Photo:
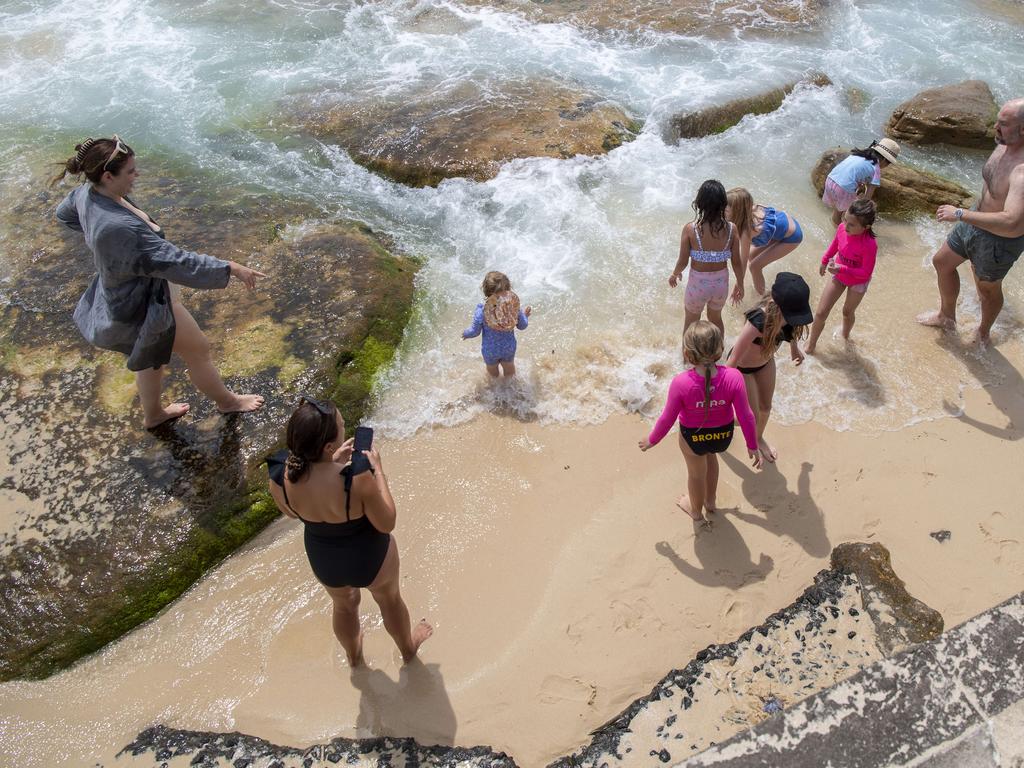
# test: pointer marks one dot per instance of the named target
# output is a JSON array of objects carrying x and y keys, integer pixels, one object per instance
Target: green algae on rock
[
  {"x": 717, "y": 119},
  {"x": 466, "y": 131},
  {"x": 900, "y": 619},
  {"x": 905, "y": 191},
  {"x": 110, "y": 523}
]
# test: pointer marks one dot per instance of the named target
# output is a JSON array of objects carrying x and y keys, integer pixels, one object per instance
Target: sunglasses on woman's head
[
  {"x": 320, "y": 405},
  {"x": 119, "y": 148}
]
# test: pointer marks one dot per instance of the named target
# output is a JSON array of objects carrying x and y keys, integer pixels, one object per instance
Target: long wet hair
[
  {"x": 709, "y": 205},
  {"x": 865, "y": 212},
  {"x": 741, "y": 209},
  {"x": 309, "y": 431},
  {"x": 92, "y": 157},
  {"x": 495, "y": 282},
  {"x": 703, "y": 345},
  {"x": 774, "y": 321},
  {"x": 868, "y": 154}
]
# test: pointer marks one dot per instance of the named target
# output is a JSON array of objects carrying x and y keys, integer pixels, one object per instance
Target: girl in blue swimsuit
[
  {"x": 348, "y": 522},
  {"x": 766, "y": 234}
]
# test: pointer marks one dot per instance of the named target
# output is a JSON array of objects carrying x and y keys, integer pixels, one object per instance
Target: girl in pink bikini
[
  {"x": 708, "y": 244},
  {"x": 705, "y": 399},
  {"x": 850, "y": 261}
]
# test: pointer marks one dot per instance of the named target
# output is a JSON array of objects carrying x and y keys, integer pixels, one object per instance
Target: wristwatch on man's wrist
[{"x": 958, "y": 214}]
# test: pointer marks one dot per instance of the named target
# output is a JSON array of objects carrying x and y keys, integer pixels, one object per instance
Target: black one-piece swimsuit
[{"x": 347, "y": 554}]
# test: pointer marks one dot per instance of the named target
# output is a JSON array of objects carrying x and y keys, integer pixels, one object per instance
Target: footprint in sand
[
  {"x": 993, "y": 530},
  {"x": 556, "y": 688},
  {"x": 734, "y": 616},
  {"x": 629, "y": 616}
]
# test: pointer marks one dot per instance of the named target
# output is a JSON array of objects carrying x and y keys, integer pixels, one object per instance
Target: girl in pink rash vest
[
  {"x": 704, "y": 400},
  {"x": 850, "y": 260}
]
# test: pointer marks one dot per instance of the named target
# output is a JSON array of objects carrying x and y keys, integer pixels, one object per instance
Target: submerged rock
[
  {"x": 469, "y": 131},
  {"x": 721, "y": 118},
  {"x": 900, "y": 619},
  {"x": 905, "y": 191},
  {"x": 963, "y": 114},
  {"x": 105, "y": 523},
  {"x": 680, "y": 16}
]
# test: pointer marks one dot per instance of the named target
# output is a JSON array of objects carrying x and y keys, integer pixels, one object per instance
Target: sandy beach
[{"x": 562, "y": 581}]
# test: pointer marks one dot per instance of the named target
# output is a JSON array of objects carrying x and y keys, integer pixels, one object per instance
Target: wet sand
[{"x": 560, "y": 577}]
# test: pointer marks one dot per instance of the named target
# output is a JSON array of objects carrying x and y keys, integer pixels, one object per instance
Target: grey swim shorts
[{"x": 990, "y": 255}]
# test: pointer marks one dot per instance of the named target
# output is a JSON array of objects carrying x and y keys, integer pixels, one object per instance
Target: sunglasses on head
[
  {"x": 119, "y": 149},
  {"x": 325, "y": 409}
]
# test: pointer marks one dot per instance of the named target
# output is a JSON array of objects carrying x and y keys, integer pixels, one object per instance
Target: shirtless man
[{"x": 991, "y": 237}]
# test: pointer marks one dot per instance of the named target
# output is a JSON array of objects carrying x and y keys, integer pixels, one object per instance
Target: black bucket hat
[{"x": 792, "y": 294}]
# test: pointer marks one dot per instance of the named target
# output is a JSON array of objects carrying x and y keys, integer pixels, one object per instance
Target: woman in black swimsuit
[
  {"x": 348, "y": 522},
  {"x": 783, "y": 315}
]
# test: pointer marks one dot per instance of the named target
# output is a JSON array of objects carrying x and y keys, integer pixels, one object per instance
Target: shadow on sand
[
  {"x": 785, "y": 513},
  {"x": 724, "y": 556},
  {"x": 1007, "y": 393},
  {"x": 415, "y": 705}
]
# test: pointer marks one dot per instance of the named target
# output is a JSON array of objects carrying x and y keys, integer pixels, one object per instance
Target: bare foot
[
  {"x": 936, "y": 319},
  {"x": 710, "y": 506},
  {"x": 170, "y": 413},
  {"x": 241, "y": 404},
  {"x": 420, "y": 633},
  {"x": 767, "y": 452},
  {"x": 983, "y": 340},
  {"x": 809, "y": 349},
  {"x": 684, "y": 504},
  {"x": 358, "y": 660}
]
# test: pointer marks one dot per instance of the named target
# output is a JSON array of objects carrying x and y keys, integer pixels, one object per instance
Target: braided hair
[{"x": 703, "y": 345}]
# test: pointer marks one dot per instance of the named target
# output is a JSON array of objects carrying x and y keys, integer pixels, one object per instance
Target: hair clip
[{"x": 83, "y": 148}]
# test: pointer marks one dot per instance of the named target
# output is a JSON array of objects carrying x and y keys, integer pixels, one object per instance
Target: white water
[{"x": 588, "y": 242}]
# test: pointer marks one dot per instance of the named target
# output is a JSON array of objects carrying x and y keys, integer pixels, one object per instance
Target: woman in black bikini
[
  {"x": 783, "y": 315},
  {"x": 348, "y": 522}
]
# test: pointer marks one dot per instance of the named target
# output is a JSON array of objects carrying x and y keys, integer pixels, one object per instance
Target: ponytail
[
  {"x": 703, "y": 345},
  {"x": 868, "y": 154},
  {"x": 309, "y": 430},
  {"x": 707, "y": 391},
  {"x": 296, "y": 466}
]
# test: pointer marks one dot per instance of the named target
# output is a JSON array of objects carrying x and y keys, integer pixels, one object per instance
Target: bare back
[{"x": 320, "y": 495}]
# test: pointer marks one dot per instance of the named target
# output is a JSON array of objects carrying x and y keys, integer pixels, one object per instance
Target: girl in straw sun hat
[
  {"x": 859, "y": 175},
  {"x": 497, "y": 318}
]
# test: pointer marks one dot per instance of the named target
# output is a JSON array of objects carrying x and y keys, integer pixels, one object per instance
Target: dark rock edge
[
  {"x": 228, "y": 527},
  {"x": 208, "y": 748},
  {"x": 828, "y": 585}
]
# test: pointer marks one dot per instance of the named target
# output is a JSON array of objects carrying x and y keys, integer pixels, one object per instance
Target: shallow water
[{"x": 589, "y": 242}]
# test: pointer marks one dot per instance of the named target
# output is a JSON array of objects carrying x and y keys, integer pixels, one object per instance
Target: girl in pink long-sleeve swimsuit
[
  {"x": 704, "y": 400},
  {"x": 850, "y": 260}
]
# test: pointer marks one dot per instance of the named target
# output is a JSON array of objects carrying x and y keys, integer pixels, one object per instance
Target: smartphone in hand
[{"x": 363, "y": 442}]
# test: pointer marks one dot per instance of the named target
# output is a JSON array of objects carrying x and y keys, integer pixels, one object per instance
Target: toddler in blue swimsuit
[{"x": 497, "y": 318}]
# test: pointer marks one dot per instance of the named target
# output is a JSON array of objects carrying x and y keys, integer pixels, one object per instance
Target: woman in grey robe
[{"x": 132, "y": 305}]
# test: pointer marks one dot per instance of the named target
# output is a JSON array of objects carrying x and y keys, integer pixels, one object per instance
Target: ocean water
[{"x": 588, "y": 242}]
